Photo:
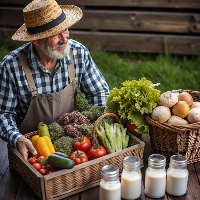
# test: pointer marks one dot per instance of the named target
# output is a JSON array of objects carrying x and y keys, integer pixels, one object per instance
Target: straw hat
[{"x": 45, "y": 18}]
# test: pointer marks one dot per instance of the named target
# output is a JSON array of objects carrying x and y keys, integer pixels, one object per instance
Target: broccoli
[
  {"x": 86, "y": 130},
  {"x": 64, "y": 145},
  {"x": 55, "y": 131},
  {"x": 80, "y": 102},
  {"x": 93, "y": 113}
]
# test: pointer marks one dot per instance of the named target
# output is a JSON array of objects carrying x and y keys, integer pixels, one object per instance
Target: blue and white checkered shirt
[{"x": 15, "y": 95}]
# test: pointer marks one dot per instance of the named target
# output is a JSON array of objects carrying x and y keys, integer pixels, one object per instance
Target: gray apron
[{"x": 47, "y": 107}]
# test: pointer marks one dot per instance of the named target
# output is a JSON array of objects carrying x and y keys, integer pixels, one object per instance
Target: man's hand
[{"x": 25, "y": 145}]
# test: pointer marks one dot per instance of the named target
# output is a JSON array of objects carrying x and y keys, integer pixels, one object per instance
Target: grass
[{"x": 171, "y": 71}]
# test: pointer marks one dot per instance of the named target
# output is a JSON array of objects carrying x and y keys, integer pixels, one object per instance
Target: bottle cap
[
  {"x": 157, "y": 161},
  {"x": 131, "y": 163},
  {"x": 110, "y": 173}
]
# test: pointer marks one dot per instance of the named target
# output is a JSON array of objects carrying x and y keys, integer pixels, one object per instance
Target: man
[{"x": 38, "y": 80}]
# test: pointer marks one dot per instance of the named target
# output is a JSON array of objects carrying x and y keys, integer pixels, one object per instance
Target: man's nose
[{"x": 64, "y": 37}]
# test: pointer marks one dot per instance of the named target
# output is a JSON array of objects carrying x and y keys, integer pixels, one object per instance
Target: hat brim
[{"x": 73, "y": 15}]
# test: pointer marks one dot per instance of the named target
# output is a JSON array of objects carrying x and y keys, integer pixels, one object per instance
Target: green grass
[{"x": 171, "y": 71}]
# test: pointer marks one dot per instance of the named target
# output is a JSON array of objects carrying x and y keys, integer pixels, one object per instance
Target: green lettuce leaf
[{"x": 134, "y": 97}]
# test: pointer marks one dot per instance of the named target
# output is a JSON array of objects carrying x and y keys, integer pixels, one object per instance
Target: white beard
[{"x": 52, "y": 52}]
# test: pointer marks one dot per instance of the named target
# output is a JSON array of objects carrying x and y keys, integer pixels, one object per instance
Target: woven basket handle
[{"x": 97, "y": 122}]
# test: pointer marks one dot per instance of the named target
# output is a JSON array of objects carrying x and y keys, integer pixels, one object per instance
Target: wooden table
[{"x": 13, "y": 187}]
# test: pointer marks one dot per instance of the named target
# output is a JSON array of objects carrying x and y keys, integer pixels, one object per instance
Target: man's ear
[{"x": 36, "y": 42}]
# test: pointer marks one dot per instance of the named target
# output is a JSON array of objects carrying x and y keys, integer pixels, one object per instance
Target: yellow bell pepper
[
  {"x": 34, "y": 140},
  {"x": 43, "y": 145},
  {"x": 49, "y": 144}
]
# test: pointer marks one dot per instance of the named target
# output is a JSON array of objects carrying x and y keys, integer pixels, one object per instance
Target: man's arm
[
  {"x": 8, "y": 127},
  {"x": 94, "y": 84}
]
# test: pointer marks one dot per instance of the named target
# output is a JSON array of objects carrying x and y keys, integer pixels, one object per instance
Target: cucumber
[
  {"x": 60, "y": 162},
  {"x": 61, "y": 154}
]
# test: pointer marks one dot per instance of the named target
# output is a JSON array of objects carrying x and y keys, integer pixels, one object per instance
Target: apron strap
[
  {"x": 71, "y": 69},
  {"x": 28, "y": 74}
]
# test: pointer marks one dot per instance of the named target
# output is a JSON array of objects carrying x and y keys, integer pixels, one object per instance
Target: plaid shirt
[{"x": 15, "y": 95}]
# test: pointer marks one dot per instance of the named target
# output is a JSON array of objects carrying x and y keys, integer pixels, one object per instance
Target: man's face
[{"x": 56, "y": 47}]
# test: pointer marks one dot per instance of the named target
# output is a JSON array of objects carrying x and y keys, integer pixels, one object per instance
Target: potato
[
  {"x": 161, "y": 114},
  {"x": 194, "y": 115},
  {"x": 195, "y": 105},
  {"x": 168, "y": 99},
  {"x": 176, "y": 120}
]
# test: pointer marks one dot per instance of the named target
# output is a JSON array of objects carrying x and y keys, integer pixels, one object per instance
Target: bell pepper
[
  {"x": 34, "y": 140},
  {"x": 43, "y": 145}
]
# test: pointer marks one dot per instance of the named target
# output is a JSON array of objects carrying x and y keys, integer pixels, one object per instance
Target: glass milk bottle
[
  {"x": 177, "y": 175},
  {"x": 131, "y": 178},
  {"x": 110, "y": 186},
  {"x": 155, "y": 176}
]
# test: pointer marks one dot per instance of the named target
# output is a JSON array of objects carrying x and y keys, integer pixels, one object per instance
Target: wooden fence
[{"x": 127, "y": 25}]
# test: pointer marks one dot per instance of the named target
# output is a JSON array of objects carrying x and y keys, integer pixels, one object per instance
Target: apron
[{"x": 47, "y": 107}]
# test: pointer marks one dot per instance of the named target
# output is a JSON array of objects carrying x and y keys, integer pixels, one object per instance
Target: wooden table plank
[
  {"x": 92, "y": 194},
  {"x": 197, "y": 169},
  {"x": 25, "y": 192}
]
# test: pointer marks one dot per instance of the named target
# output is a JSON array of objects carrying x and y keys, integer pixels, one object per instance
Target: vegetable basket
[
  {"x": 168, "y": 140},
  {"x": 81, "y": 177}
]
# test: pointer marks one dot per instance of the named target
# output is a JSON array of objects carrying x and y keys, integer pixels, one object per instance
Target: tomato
[
  {"x": 43, "y": 171},
  {"x": 131, "y": 127},
  {"x": 31, "y": 161},
  {"x": 51, "y": 171},
  {"x": 82, "y": 143},
  {"x": 43, "y": 166},
  {"x": 49, "y": 167},
  {"x": 41, "y": 158},
  {"x": 78, "y": 157},
  {"x": 96, "y": 151},
  {"x": 35, "y": 156},
  {"x": 37, "y": 166}
]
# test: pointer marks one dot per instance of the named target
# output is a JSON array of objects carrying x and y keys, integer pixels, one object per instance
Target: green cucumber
[
  {"x": 61, "y": 154},
  {"x": 60, "y": 162}
]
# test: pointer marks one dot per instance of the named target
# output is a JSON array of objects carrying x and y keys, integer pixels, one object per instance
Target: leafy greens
[{"x": 132, "y": 101}]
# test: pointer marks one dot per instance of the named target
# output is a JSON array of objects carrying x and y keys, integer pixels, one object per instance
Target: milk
[
  {"x": 110, "y": 190},
  {"x": 177, "y": 181},
  {"x": 177, "y": 175},
  {"x": 155, "y": 183},
  {"x": 110, "y": 186},
  {"x": 130, "y": 185}
]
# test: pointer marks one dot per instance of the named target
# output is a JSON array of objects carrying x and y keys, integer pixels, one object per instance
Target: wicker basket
[
  {"x": 81, "y": 177},
  {"x": 169, "y": 139}
]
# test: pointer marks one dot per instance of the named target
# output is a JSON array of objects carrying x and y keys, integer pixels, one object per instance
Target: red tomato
[
  {"x": 42, "y": 158},
  {"x": 82, "y": 143},
  {"x": 43, "y": 171},
  {"x": 43, "y": 167},
  {"x": 51, "y": 171},
  {"x": 37, "y": 166},
  {"x": 131, "y": 127},
  {"x": 31, "y": 161},
  {"x": 96, "y": 151},
  {"x": 49, "y": 167},
  {"x": 78, "y": 157},
  {"x": 35, "y": 156}
]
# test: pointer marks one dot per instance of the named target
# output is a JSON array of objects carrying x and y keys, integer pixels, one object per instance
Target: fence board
[
  {"x": 192, "y": 4},
  {"x": 151, "y": 43},
  {"x": 120, "y": 20},
  {"x": 140, "y": 21}
]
